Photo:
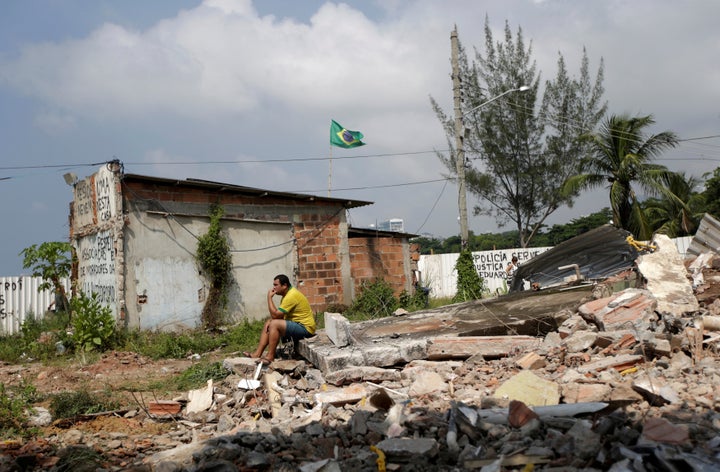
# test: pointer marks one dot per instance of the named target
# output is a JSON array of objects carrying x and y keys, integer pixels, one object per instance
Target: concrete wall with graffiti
[
  {"x": 437, "y": 271},
  {"x": 96, "y": 235}
]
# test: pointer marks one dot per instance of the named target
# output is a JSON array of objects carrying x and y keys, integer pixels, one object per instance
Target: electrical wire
[{"x": 433, "y": 207}]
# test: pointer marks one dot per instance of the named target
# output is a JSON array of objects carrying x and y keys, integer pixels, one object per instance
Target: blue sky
[{"x": 171, "y": 88}]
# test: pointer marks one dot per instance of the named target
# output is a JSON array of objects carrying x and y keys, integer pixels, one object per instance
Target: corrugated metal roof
[
  {"x": 239, "y": 189},
  {"x": 372, "y": 232},
  {"x": 599, "y": 253},
  {"x": 707, "y": 237}
]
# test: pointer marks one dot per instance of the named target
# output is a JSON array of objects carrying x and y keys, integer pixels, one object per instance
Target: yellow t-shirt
[{"x": 297, "y": 308}]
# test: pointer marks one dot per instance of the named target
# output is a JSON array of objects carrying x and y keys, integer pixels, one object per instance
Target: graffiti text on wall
[
  {"x": 8, "y": 286},
  {"x": 96, "y": 268},
  {"x": 83, "y": 200},
  {"x": 105, "y": 293},
  {"x": 103, "y": 195},
  {"x": 492, "y": 264}
]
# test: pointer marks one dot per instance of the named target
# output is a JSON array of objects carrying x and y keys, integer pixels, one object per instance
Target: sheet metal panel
[
  {"x": 20, "y": 299},
  {"x": 707, "y": 237}
]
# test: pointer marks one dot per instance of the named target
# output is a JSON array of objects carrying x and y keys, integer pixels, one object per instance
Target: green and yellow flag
[{"x": 344, "y": 138}]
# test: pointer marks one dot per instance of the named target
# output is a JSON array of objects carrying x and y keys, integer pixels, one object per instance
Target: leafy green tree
[
  {"x": 677, "y": 215},
  {"x": 711, "y": 194},
  {"x": 621, "y": 156},
  {"x": 429, "y": 245},
  {"x": 53, "y": 262},
  {"x": 525, "y": 150}
]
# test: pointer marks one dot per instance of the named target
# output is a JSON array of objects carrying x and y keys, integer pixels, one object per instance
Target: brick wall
[
  {"x": 384, "y": 257},
  {"x": 319, "y": 265}
]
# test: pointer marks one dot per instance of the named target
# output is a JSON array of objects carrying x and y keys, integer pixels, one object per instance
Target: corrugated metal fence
[{"x": 20, "y": 299}]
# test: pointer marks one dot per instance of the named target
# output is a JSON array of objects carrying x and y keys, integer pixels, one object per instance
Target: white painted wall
[{"x": 164, "y": 287}]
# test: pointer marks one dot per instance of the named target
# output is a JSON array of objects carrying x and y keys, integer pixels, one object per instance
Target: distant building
[{"x": 393, "y": 224}]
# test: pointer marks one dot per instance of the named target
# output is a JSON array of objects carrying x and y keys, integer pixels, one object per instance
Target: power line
[
  {"x": 289, "y": 159},
  {"x": 370, "y": 187}
]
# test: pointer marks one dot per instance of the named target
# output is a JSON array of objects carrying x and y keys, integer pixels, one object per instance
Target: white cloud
[{"x": 54, "y": 123}]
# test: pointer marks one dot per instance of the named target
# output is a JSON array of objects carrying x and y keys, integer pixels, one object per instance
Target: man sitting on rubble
[{"x": 292, "y": 320}]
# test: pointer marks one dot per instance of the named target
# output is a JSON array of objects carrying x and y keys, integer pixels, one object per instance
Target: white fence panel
[{"x": 19, "y": 299}]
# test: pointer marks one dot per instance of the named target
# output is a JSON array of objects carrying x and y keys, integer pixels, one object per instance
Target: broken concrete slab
[
  {"x": 631, "y": 308},
  {"x": 667, "y": 278},
  {"x": 486, "y": 346},
  {"x": 619, "y": 362},
  {"x": 337, "y": 328},
  {"x": 243, "y": 366},
  {"x": 200, "y": 399},
  {"x": 427, "y": 382},
  {"x": 529, "y": 389},
  {"x": 361, "y": 374},
  {"x": 405, "y": 449},
  {"x": 352, "y": 394},
  {"x": 585, "y": 392},
  {"x": 394, "y": 341}
]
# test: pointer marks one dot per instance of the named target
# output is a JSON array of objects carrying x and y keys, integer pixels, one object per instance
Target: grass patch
[
  {"x": 36, "y": 340},
  {"x": 198, "y": 374},
  {"x": 441, "y": 301},
  {"x": 81, "y": 402}
]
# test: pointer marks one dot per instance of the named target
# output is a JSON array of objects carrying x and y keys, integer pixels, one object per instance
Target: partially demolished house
[{"x": 136, "y": 237}]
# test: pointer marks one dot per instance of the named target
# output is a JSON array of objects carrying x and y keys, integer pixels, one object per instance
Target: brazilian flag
[{"x": 344, "y": 138}]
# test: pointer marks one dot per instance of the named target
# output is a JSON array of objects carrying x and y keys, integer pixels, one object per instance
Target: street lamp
[{"x": 460, "y": 153}]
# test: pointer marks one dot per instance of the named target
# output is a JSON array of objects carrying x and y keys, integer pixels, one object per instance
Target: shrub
[
  {"x": 469, "y": 284},
  {"x": 93, "y": 323},
  {"x": 376, "y": 300}
]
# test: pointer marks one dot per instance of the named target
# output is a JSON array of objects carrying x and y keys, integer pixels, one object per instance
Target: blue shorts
[{"x": 295, "y": 331}]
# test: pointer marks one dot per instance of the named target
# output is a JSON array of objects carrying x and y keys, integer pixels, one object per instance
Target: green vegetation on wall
[{"x": 213, "y": 255}]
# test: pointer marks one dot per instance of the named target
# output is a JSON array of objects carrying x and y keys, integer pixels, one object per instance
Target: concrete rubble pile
[{"x": 628, "y": 380}]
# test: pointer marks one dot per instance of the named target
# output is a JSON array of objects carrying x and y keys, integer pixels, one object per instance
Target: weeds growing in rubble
[
  {"x": 197, "y": 375},
  {"x": 15, "y": 407}
]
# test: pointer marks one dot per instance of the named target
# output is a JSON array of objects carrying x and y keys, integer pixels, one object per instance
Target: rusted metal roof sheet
[
  {"x": 599, "y": 253},
  {"x": 707, "y": 237}
]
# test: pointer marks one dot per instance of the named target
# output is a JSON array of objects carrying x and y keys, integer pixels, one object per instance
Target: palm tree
[
  {"x": 679, "y": 214},
  {"x": 621, "y": 155}
]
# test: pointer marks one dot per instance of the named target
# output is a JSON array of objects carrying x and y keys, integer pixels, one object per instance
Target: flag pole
[{"x": 330, "y": 172}]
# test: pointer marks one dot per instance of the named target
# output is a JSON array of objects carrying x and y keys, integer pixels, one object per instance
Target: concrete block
[
  {"x": 351, "y": 394},
  {"x": 406, "y": 449},
  {"x": 337, "y": 329}
]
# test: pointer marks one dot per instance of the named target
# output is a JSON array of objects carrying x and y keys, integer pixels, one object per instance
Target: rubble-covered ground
[{"x": 629, "y": 382}]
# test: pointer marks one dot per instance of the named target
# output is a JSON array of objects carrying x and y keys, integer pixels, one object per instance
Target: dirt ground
[{"x": 116, "y": 372}]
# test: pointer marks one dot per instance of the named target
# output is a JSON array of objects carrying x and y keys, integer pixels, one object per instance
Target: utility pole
[{"x": 459, "y": 136}]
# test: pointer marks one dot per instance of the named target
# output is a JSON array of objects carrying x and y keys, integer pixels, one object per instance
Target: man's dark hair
[{"x": 283, "y": 279}]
